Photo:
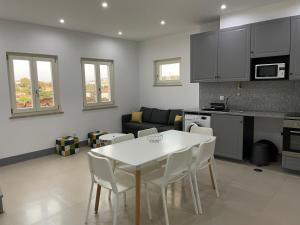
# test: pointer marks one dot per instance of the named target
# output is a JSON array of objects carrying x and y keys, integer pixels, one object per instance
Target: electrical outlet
[{"x": 222, "y": 98}]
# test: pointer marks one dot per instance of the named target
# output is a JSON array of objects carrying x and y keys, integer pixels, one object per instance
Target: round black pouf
[{"x": 261, "y": 154}]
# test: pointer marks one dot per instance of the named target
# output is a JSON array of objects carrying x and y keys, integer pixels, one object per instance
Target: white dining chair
[
  {"x": 201, "y": 130},
  {"x": 146, "y": 132},
  {"x": 122, "y": 138},
  {"x": 102, "y": 174},
  {"x": 177, "y": 168},
  {"x": 122, "y": 166},
  {"x": 205, "y": 158}
]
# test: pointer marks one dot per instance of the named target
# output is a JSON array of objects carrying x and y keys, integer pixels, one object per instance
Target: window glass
[
  {"x": 45, "y": 83},
  {"x": 23, "y": 84},
  {"x": 90, "y": 83}
]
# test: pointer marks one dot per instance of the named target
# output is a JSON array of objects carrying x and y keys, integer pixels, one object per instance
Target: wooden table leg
[
  {"x": 97, "y": 198},
  {"x": 138, "y": 197},
  {"x": 211, "y": 175}
]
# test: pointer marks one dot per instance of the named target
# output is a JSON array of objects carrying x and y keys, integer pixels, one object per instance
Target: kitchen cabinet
[
  {"x": 204, "y": 50},
  {"x": 271, "y": 38},
  {"x": 234, "y": 54},
  {"x": 295, "y": 49},
  {"x": 234, "y": 135}
]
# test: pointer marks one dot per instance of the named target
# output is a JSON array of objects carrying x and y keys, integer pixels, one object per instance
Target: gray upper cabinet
[
  {"x": 229, "y": 132},
  {"x": 234, "y": 54},
  {"x": 271, "y": 38},
  {"x": 204, "y": 50},
  {"x": 295, "y": 49}
]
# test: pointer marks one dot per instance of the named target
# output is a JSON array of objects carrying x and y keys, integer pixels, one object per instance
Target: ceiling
[{"x": 137, "y": 19}]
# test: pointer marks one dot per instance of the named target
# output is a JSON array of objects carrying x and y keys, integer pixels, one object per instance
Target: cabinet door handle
[{"x": 291, "y": 74}]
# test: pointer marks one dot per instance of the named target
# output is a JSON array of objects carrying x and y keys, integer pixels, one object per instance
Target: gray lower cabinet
[
  {"x": 234, "y": 54},
  {"x": 271, "y": 38},
  {"x": 290, "y": 161},
  {"x": 295, "y": 49},
  {"x": 229, "y": 132},
  {"x": 204, "y": 50}
]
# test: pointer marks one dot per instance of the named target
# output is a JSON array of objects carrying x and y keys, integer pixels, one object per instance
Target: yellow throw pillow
[
  {"x": 178, "y": 118},
  {"x": 136, "y": 117}
]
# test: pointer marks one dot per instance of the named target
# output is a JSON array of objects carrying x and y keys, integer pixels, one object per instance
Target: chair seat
[
  {"x": 144, "y": 170},
  {"x": 157, "y": 177},
  {"x": 124, "y": 182},
  {"x": 200, "y": 165}
]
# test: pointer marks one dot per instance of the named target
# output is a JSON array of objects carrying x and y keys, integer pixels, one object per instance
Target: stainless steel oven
[
  {"x": 291, "y": 136},
  {"x": 291, "y": 144}
]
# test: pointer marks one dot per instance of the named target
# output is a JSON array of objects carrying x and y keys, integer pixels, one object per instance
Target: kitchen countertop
[{"x": 278, "y": 115}]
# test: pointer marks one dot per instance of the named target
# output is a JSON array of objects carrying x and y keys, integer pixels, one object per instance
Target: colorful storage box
[
  {"x": 68, "y": 145},
  {"x": 93, "y": 138}
]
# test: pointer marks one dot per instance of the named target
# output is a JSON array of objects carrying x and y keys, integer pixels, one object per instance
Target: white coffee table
[{"x": 107, "y": 138}]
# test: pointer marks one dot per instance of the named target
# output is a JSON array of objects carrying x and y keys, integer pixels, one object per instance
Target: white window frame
[
  {"x": 36, "y": 109},
  {"x": 157, "y": 64},
  {"x": 97, "y": 63}
]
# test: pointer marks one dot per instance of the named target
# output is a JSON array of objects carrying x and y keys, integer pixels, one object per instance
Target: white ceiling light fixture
[
  {"x": 62, "y": 21},
  {"x": 162, "y": 22},
  {"x": 223, "y": 6},
  {"x": 104, "y": 5},
  {"x": 120, "y": 33}
]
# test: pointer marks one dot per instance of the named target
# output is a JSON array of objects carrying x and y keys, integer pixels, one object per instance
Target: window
[
  {"x": 97, "y": 83},
  {"x": 33, "y": 84},
  {"x": 167, "y": 72}
]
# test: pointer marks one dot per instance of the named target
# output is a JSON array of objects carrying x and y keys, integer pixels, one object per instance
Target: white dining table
[{"x": 141, "y": 151}]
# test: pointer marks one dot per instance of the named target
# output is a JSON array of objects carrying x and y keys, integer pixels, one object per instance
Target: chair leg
[
  {"x": 212, "y": 163},
  {"x": 193, "y": 194},
  {"x": 164, "y": 199},
  {"x": 109, "y": 195},
  {"x": 148, "y": 202},
  {"x": 89, "y": 204},
  {"x": 115, "y": 211},
  {"x": 124, "y": 196},
  {"x": 197, "y": 192}
]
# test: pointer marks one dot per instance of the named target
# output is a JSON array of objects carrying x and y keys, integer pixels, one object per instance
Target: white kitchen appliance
[
  {"x": 202, "y": 120},
  {"x": 270, "y": 71}
]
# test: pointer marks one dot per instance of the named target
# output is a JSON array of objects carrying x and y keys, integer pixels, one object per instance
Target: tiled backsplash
[{"x": 277, "y": 96}]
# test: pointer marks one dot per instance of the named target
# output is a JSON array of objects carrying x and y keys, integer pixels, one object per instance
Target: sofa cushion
[
  {"x": 136, "y": 117},
  {"x": 173, "y": 113},
  {"x": 132, "y": 126},
  {"x": 147, "y": 112},
  {"x": 145, "y": 125},
  {"x": 160, "y": 116},
  {"x": 165, "y": 128}
]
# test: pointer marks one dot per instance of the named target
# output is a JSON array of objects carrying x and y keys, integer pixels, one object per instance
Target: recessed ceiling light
[
  {"x": 104, "y": 4},
  {"x": 223, "y": 6},
  {"x": 62, "y": 21},
  {"x": 162, "y": 22},
  {"x": 120, "y": 33}
]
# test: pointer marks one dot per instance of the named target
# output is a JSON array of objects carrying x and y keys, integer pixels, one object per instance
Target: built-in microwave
[{"x": 270, "y": 71}]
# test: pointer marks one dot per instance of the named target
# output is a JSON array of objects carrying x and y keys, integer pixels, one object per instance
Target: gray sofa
[{"x": 163, "y": 120}]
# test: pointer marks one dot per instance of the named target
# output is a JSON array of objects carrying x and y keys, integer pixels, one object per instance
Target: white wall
[
  {"x": 18, "y": 136},
  {"x": 171, "y": 46},
  {"x": 277, "y": 10}
]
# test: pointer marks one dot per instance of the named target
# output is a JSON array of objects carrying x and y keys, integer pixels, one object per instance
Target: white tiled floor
[{"x": 53, "y": 191}]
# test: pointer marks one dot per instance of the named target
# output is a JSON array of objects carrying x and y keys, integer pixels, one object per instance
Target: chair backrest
[
  {"x": 206, "y": 151},
  {"x": 122, "y": 138},
  {"x": 101, "y": 170},
  {"x": 146, "y": 132},
  {"x": 177, "y": 163},
  {"x": 202, "y": 130}
]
